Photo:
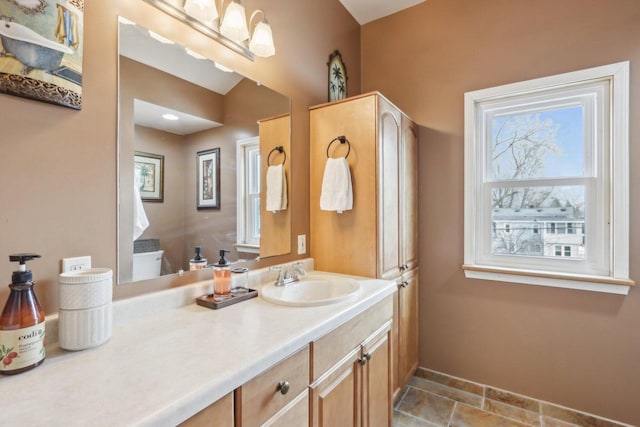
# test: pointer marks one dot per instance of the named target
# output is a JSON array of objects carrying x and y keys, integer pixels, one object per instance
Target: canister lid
[
  {"x": 86, "y": 276},
  {"x": 239, "y": 270}
]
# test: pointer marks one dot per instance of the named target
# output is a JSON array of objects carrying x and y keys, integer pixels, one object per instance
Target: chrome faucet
[{"x": 288, "y": 276}]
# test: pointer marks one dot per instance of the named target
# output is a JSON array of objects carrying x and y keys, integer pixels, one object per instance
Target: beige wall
[
  {"x": 58, "y": 166},
  {"x": 166, "y": 219},
  {"x": 577, "y": 348}
]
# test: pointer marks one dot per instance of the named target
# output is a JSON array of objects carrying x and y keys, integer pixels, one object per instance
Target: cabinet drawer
[
  {"x": 261, "y": 398},
  {"x": 329, "y": 349}
]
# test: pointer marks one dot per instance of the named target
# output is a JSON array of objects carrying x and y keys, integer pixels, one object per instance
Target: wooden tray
[{"x": 209, "y": 302}]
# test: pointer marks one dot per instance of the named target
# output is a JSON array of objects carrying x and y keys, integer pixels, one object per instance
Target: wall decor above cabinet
[{"x": 226, "y": 22}]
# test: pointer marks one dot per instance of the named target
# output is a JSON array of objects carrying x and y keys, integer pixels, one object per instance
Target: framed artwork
[
  {"x": 208, "y": 179},
  {"x": 149, "y": 176},
  {"x": 337, "y": 77},
  {"x": 42, "y": 45}
]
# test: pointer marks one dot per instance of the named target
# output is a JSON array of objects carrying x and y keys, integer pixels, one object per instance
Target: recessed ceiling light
[
  {"x": 169, "y": 116},
  {"x": 223, "y": 68},
  {"x": 160, "y": 38}
]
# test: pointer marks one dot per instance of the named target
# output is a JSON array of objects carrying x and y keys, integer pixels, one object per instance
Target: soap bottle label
[{"x": 20, "y": 348}]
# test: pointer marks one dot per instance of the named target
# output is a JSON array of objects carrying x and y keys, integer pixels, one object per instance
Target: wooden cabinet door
[
  {"x": 408, "y": 195},
  {"x": 408, "y": 327},
  {"x": 219, "y": 413},
  {"x": 376, "y": 379},
  {"x": 388, "y": 190},
  {"x": 335, "y": 397},
  {"x": 295, "y": 414}
]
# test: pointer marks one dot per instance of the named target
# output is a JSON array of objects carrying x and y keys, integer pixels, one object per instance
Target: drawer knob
[
  {"x": 367, "y": 356},
  {"x": 362, "y": 361},
  {"x": 283, "y": 387}
]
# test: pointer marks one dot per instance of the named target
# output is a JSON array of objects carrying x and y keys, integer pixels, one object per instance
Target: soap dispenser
[
  {"x": 197, "y": 262},
  {"x": 222, "y": 278},
  {"x": 22, "y": 323}
]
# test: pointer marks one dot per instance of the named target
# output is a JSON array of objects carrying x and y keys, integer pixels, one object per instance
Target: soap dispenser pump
[
  {"x": 22, "y": 327},
  {"x": 197, "y": 262},
  {"x": 222, "y": 278}
]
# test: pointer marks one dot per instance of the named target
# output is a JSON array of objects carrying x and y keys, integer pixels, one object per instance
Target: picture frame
[
  {"x": 149, "y": 176},
  {"x": 337, "y": 81},
  {"x": 43, "y": 50},
  {"x": 208, "y": 179}
]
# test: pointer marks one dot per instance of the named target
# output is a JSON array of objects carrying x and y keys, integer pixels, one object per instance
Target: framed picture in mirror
[
  {"x": 149, "y": 176},
  {"x": 208, "y": 179}
]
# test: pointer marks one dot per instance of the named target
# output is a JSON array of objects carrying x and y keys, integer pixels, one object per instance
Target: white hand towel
[
  {"x": 276, "y": 188},
  {"x": 337, "y": 192},
  {"x": 140, "y": 220}
]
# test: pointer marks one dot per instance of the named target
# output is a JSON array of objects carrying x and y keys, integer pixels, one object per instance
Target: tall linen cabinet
[{"x": 379, "y": 236}]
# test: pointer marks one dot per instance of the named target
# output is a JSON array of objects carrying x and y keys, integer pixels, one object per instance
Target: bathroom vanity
[{"x": 256, "y": 363}]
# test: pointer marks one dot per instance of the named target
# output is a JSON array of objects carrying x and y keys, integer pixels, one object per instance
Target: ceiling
[
  {"x": 136, "y": 43},
  {"x": 369, "y": 10}
]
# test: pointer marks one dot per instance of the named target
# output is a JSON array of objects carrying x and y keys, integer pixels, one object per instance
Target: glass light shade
[
  {"x": 234, "y": 22},
  {"x": 262, "y": 41},
  {"x": 202, "y": 10}
]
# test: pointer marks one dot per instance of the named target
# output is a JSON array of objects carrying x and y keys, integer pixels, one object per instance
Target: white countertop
[{"x": 163, "y": 367}]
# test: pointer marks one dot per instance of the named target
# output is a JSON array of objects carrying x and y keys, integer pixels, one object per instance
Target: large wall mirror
[{"x": 194, "y": 139}]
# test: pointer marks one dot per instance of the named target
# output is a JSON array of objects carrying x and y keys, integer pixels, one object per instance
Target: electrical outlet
[
  {"x": 77, "y": 263},
  {"x": 302, "y": 244}
]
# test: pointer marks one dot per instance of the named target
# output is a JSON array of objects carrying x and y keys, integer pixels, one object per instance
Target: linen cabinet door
[
  {"x": 335, "y": 397},
  {"x": 408, "y": 327},
  {"x": 388, "y": 190},
  {"x": 408, "y": 195},
  {"x": 376, "y": 379}
]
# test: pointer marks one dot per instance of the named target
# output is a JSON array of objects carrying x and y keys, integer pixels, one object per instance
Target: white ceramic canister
[{"x": 85, "y": 314}]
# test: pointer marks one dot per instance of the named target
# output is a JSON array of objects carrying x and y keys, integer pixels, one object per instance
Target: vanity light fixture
[
  {"x": 234, "y": 22},
  {"x": 160, "y": 38},
  {"x": 169, "y": 116},
  {"x": 261, "y": 43},
  {"x": 228, "y": 25},
  {"x": 202, "y": 10}
]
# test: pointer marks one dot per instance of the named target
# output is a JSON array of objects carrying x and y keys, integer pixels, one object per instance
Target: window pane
[
  {"x": 545, "y": 144},
  {"x": 532, "y": 221}
]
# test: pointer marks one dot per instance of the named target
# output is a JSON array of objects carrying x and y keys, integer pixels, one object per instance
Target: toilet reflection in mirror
[{"x": 174, "y": 103}]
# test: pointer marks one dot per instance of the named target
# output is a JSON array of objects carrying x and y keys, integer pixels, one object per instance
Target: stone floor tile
[
  {"x": 428, "y": 406},
  {"x": 468, "y": 416},
  {"x": 513, "y": 412},
  {"x": 574, "y": 417},
  {"x": 400, "y": 396},
  {"x": 552, "y": 422},
  {"x": 443, "y": 390},
  {"x": 403, "y": 420},
  {"x": 449, "y": 381},
  {"x": 513, "y": 399}
]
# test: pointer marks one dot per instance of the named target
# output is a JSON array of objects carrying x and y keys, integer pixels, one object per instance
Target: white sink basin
[{"x": 312, "y": 290}]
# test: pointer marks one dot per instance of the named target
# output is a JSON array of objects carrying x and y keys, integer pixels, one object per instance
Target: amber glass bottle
[{"x": 22, "y": 323}]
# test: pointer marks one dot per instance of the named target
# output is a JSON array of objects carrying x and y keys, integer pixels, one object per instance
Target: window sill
[
  {"x": 556, "y": 280},
  {"x": 249, "y": 249}
]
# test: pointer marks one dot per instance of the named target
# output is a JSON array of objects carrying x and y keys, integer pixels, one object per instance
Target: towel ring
[
  {"x": 343, "y": 139},
  {"x": 279, "y": 149}
]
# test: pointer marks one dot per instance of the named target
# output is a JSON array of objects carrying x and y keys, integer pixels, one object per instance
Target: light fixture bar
[{"x": 178, "y": 13}]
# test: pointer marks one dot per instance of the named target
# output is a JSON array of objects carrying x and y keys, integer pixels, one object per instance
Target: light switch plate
[
  {"x": 77, "y": 263},
  {"x": 302, "y": 244}
]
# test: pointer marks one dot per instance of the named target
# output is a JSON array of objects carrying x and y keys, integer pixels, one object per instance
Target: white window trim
[
  {"x": 617, "y": 281},
  {"x": 241, "y": 208}
]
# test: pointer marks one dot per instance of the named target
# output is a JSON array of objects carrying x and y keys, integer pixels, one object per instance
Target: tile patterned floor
[{"x": 432, "y": 399}]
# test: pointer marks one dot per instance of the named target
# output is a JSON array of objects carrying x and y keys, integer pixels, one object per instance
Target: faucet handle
[{"x": 298, "y": 267}]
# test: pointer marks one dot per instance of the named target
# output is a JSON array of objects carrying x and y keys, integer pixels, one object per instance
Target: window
[
  {"x": 248, "y": 194},
  {"x": 553, "y": 151}
]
